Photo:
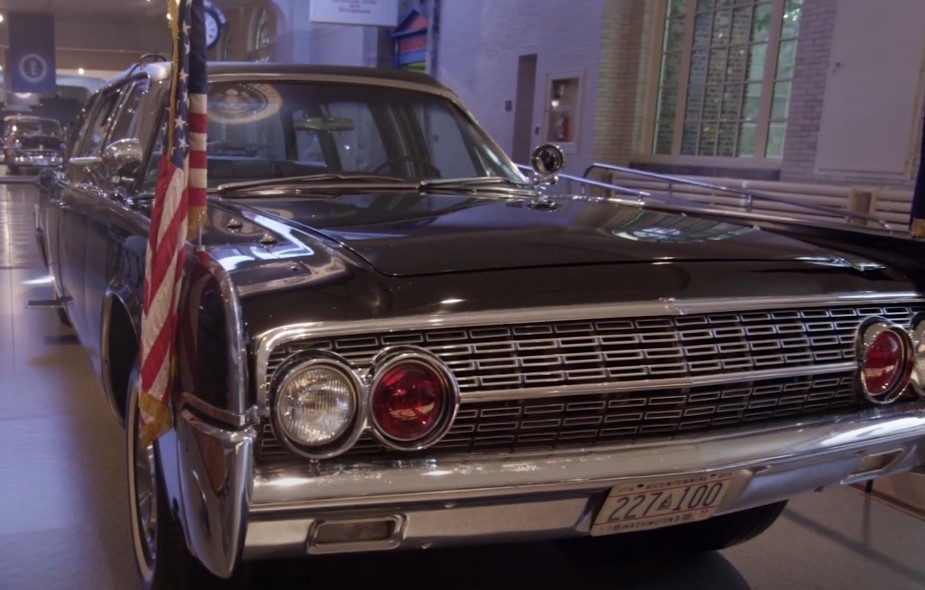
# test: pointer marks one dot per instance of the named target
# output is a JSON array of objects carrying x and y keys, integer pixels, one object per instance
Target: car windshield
[
  {"x": 46, "y": 128},
  {"x": 270, "y": 131}
]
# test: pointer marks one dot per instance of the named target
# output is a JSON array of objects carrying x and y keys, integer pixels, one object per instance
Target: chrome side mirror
[
  {"x": 547, "y": 160},
  {"x": 122, "y": 160}
]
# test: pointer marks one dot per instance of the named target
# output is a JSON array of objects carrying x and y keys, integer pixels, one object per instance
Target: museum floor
[{"x": 63, "y": 510}]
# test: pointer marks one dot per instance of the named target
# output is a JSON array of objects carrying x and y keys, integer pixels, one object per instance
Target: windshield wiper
[
  {"x": 320, "y": 178},
  {"x": 469, "y": 183}
]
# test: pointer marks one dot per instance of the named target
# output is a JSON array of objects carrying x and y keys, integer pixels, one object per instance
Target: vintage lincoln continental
[{"x": 390, "y": 338}]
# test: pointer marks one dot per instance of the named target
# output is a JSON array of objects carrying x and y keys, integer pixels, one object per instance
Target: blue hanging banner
[{"x": 31, "y": 57}]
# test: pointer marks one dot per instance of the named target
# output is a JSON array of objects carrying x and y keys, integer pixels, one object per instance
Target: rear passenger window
[
  {"x": 92, "y": 144},
  {"x": 128, "y": 120},
  {"x": 80, "y": 128}
]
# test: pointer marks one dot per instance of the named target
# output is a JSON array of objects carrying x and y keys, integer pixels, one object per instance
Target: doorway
[{"x": 523, "y": 108}]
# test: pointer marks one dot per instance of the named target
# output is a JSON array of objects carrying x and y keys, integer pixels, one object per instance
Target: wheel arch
[{"x": 120, "y": 336}]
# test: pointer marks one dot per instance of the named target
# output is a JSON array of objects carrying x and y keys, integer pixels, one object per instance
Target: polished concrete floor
[{"x": 64, "y": 516}]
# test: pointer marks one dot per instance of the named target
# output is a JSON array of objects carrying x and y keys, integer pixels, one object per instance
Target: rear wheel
[
  {"x": 713, "y": 534},
  {"x": 160, "y": 550}
]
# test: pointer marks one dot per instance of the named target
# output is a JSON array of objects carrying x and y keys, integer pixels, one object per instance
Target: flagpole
[{"x": 917, "y": 216}]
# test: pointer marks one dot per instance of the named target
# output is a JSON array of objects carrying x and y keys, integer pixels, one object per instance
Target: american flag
[{"x": 178, "y": 205}]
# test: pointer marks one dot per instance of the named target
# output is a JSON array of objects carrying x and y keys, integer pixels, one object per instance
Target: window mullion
[
  {"x": 767, "y": 82},
  {"x": 687, "y": 44}
]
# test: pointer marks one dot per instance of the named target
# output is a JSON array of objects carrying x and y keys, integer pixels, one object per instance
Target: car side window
[
  {"x": 127, "y": 121},
  {"x": 92, "y": 141},
  {"x": 80, "y": 127}
]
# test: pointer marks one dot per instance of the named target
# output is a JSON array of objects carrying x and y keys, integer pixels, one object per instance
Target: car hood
[{"x": 412, "y": 234}]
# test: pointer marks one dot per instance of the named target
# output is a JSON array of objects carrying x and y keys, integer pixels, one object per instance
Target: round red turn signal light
[
  {"x": 884, "y": 361},
  {"x": 412, "y": 402}
]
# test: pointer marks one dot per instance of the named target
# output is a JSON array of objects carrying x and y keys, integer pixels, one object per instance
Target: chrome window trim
[{"x": 271, "y": 339}]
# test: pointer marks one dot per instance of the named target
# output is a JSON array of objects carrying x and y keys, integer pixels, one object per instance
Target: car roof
[{"x": 161, "y": 69}]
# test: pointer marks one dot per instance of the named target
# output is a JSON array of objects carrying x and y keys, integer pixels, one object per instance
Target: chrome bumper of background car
[
  {"x": 327, "y": 508},
  {"x": 26, "y": 159}
]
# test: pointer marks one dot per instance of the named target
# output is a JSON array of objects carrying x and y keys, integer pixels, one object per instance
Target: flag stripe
[{"x": 181, "y": 191}]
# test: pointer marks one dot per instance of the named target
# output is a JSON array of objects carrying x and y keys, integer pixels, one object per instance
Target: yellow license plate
[{"x": 648, "y": 505}]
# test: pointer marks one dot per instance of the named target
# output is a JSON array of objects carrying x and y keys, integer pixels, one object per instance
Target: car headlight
[{"x": 316, "y": 405}]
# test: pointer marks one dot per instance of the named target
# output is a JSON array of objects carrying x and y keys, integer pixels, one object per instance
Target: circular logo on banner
[
  {"x": 33, "y": 67},
  {"x": 243, "y": 103}
]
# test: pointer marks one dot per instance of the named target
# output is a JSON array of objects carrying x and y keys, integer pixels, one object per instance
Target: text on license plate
[{"x": 648, "y": 505}]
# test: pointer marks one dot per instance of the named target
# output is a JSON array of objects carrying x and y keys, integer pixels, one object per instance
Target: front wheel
[{"x": 163, "y": 560}]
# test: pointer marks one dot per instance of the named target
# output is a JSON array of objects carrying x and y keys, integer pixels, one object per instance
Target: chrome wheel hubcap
[{"x": 145, "y": 499}]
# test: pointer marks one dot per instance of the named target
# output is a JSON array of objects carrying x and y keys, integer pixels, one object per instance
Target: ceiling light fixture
[
  {"x": 1, "y": 18},
  {"x": 80, "y": 71}
]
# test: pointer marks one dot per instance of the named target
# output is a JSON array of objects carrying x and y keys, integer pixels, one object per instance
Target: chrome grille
[
  {"x": 600, "y": 351},
  {"x": 520, "y": 358}
]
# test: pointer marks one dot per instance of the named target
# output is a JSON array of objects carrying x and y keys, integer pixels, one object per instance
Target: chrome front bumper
[{"x": 277, "y": 511}]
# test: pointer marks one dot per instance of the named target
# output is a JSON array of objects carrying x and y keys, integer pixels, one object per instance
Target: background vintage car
[
  {"x": 31, "y": 143},
  {"x": 391, "y": 339}
]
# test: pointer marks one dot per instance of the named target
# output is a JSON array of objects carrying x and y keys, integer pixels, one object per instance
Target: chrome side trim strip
[
  {"x": 266, "y": 342},
  {"x": 654, "y": 384}
]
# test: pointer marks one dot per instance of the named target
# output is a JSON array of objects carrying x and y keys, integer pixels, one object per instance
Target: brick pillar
[
  {"x": 817, "y": 26},
  {"x": 620, "y": 103}
]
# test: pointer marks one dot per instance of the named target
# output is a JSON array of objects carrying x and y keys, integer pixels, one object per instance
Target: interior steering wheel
[{"x": 387, "y": 165}]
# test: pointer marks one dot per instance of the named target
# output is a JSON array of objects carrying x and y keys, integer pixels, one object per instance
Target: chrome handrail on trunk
[
  {"x": 749, "y": 195},
  {"x": 745, "y": 212}
]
